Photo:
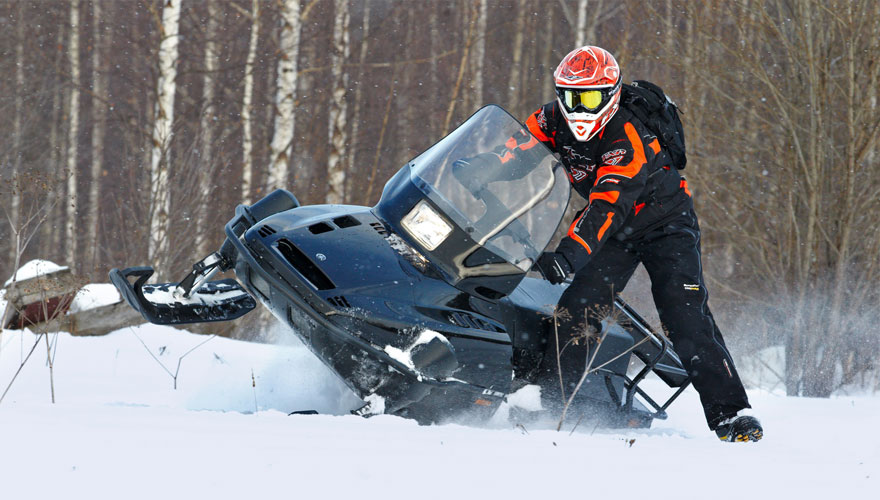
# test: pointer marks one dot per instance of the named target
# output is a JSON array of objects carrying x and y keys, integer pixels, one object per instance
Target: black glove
[
  {"x": 554, "y": 266},
  {"x": 477, "y": 171}
]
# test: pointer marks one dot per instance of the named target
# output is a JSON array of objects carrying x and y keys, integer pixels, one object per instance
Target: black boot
[{"x": 739, "y": 428}]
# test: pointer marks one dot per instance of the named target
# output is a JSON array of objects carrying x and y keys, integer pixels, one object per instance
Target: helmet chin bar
[
  {"x": 587, "y": 121},
  {"x": 583, "y": 130}
]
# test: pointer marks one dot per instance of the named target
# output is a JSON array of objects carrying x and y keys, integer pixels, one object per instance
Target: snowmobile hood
[{"x": 483, "y": 224}]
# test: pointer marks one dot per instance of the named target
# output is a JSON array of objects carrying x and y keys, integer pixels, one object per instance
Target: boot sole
[{"x": 752, "y": 435}]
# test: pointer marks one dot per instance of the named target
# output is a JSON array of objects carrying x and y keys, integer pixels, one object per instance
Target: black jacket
[{"x": 622, "y": 171}]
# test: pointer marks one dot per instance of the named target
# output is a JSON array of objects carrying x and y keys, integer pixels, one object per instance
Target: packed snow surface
[{"x": 119, "y": 429}]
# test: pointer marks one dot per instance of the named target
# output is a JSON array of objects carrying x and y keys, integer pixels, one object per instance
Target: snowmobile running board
[{"x": 163, "y": 304}]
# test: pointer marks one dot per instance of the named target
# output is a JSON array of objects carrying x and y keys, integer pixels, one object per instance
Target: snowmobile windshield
[{"x": 498, "y": 183}]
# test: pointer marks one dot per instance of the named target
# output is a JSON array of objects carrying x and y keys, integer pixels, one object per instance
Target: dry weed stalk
[
  {"x": 179, "y": 360},
  {"x": 41, "y": 323},
  {"x": 587, "y": 332}
]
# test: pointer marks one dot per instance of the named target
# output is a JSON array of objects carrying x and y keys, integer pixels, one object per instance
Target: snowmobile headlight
[{"x": 426, "y": 225}]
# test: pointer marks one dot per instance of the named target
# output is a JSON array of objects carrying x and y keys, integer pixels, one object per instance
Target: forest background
[{"x": 131, "y": 129}]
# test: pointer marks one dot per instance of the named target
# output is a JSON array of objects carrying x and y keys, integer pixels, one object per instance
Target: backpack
[{"x": 657, "y": 111}]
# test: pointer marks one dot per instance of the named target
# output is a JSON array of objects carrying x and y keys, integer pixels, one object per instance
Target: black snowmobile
[{"x": 421, "y": 304}]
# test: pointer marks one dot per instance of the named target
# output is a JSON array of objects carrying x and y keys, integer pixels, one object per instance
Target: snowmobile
[{"x": 423, "y": 304}]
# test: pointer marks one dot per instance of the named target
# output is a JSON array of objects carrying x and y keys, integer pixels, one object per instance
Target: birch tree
[
  {"x": 479, "y": 53},
  {"x": 580, "y": 31},
  {"x": 247, "y": 140},
  {"x": 72, "y": 202},
  {"x": 51, "y": 232},
  {"x": 588, "y": 16},
  {"x": 281, "y": 146},
  {"x": 99, "y": 126},
  {"x": 166, "y": 86},
  {"x": 15, "y": 201},
  {"x": 359, "y": 90},
  {"x": 515, "y": 88},
  {"x": 206, "y": 156},
  {"x": 799, "y": 186},
  {"x": 338, "y": 106}
]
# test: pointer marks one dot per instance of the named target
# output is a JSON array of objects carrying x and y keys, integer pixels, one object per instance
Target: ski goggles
[{"x": 590, "y": 100}]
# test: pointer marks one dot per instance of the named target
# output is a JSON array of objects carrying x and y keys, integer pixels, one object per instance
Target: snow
[
  {"x": 94, "y": 295},
  {"x": 33, "y": 269},
  {"x": 120, "y": 429},
  {"x": 166, "y": 295},
  {"x": 405, "y": 356},
  {"x": 527, "y": 397}
]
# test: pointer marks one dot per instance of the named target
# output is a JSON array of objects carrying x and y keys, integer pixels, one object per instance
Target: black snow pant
[{"x": 671, "y": 255}]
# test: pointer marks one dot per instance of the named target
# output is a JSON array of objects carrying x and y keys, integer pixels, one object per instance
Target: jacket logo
[
  {"x": 578, "y": 174},
  {"x": 613, "y": 157},
  {"x": 542, "y": 120},
  {"x": 691, "y": 287}
]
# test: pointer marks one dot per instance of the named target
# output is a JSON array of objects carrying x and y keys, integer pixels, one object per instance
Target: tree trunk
[
  {"x": 358, "y": 94},
  {"x": 285, "y": 98},
  {"x": 338, "y": 107},
  {"x": 465, "y": 55},
  {"x": 479, "y": 55},
  {"x": 99, "y": 126},
  {"x": 15, "y": 202},
  {"x": 166, "y": 87},
  {"x": 206, "y": 151},
  {"x": 72, "y": 202},
  {"x": 437, "y": 85},
  {"x": 247, "y": 141},
  {"x": 515, "y": 70},
  {"x": 51, "y": 231},
  {"x": 549, "y": 86},
  {"x": 580, "y": 32}
]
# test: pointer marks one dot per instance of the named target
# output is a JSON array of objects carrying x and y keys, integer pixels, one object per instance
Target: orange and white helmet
[{"x": 588, "y": 90}]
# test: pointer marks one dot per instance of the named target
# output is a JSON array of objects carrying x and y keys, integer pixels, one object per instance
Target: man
[{"x": 640, "y": 210}]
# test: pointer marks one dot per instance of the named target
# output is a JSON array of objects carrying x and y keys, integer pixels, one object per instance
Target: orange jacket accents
[
  {"x": 632, "y": 168},
  {"x": 575, "y": 237},
  {"x": 609, "y": 196},
  {"x": 512, "y": 145},
  {"x": 535, "y": 129},
  {"x": 605, "y": 226},
  {"x": 655, "y": 146},
  {"x": 529, "y": 145},
  {"x": 638, "y": 208},
  {"x": 684, "y": 185}
]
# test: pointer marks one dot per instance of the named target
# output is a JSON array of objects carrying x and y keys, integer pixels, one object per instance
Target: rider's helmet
[{"x": 588, "y": 90}]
